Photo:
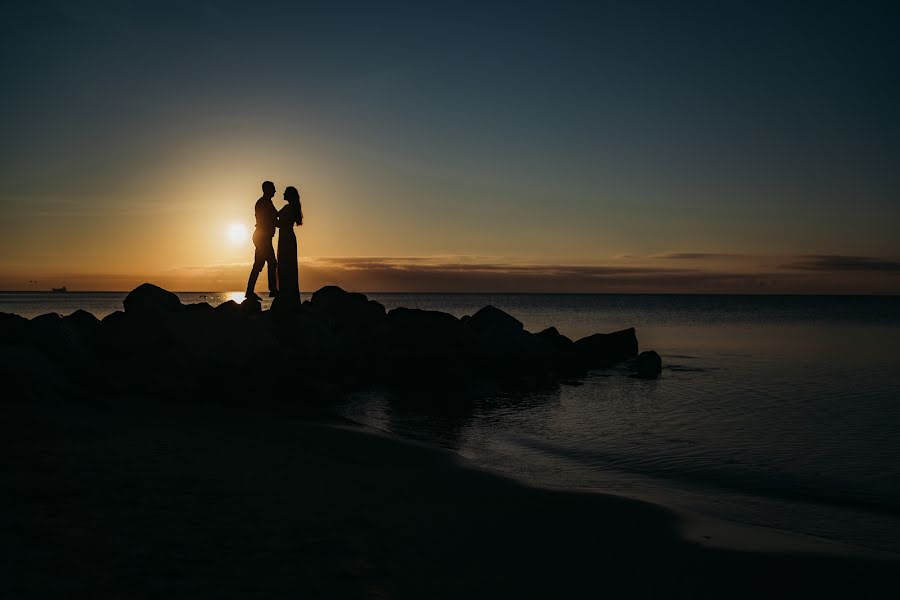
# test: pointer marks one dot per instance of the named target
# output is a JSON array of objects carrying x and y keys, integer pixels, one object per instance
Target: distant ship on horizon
[{"x": 59, "y": 290}]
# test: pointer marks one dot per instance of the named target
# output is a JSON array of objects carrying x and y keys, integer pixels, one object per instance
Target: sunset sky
[{"x": 592, "y": 147}]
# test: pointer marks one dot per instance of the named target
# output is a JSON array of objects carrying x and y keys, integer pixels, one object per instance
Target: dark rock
[
  {"x": 251, "y": 306},
  {"x": 83, "y": 323},
  {"x": 425, "y": 335},
  {"x": 43, "y": 320},
  {"x": 555, "y": 339},
  {"x": 347, "y": 309},
  {"x": 67, "y": 340},
  {"x": 83, "y": 317},
  {"x": 203, "y": 349},
  {"x": 121, "y": 336},
  {"x": 13, "y": 329},
  {"x": 215, "y": 341},
  {"x": 151, "y": 301},
  {"x": 312, "y": 340},
  {"x": 603, "y": 350},
  {"x": 45, "y": 331},
  {"x": 28, "y": 374},
  {"x": 114, "y": 334},
  {"x": 112, "y": 318},
  {"x": 332, "y": 295},
  {"x": 556, "y": 352},
  {"x": 504, "y": 351},
  {"x": 648, "y": 365},
  {"x": 494, "y": 322},
  {"x": 496, "y": 332},
  {"x": 198, "y": 307},
  {"x": 86, "y": 328},
  {"x": 229, "y": 308}
]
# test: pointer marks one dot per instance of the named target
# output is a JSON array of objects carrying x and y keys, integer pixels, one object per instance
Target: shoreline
[
  {"x": 193, "y": 498},
  {"x": 695, "y": 527}
]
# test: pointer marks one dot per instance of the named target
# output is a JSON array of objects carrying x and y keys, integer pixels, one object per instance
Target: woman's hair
[{"x": 293, "y": 197}]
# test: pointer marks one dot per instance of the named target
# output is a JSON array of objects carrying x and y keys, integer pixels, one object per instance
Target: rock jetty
[{"x": 338, "y": 339}]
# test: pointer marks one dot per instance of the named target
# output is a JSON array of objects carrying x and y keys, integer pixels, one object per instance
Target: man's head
[{"x": 268, "y": 189}]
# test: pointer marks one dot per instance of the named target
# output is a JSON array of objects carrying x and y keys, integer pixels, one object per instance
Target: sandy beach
[{"x": 139, "y": 499}]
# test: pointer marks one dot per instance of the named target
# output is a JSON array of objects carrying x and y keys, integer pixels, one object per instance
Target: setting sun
[{"x": 237, "y": 233}]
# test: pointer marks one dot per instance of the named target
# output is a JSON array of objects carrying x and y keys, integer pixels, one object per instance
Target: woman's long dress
[{"x": 288, "y": 283}]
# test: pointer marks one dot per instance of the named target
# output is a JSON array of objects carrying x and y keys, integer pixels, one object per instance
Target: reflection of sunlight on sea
[
  {"x": 220, "y": 297},
  {"x": 217, "y": 298}
]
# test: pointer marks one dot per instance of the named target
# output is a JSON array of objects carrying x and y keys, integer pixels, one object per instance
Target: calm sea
[{"x": 780, "y": 411}]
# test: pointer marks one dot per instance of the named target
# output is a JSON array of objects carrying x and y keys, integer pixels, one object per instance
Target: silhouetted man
[{"x": 266, "y": 216}]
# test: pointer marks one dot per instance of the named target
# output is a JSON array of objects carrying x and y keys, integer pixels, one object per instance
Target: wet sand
[{"x": 146, "y": 499}]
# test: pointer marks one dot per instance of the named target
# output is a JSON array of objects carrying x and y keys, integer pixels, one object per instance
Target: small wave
[
  {"x": 727, "y": 477},
  {"x": 683, "y": 369}
]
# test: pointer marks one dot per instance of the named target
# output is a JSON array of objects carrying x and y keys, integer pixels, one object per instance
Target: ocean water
[
  {"x": 777, "y": 411},
  {"x": 780, "y": 412}
]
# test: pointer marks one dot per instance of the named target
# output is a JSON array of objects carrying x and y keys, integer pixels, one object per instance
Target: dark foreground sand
[{"x": 143, "y": 500}]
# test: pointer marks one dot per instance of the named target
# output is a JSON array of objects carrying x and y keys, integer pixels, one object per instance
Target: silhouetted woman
[{"x": 290, "y": 215}]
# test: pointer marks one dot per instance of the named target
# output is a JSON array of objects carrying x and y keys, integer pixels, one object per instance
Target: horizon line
[{"x": 489, "y": 293}]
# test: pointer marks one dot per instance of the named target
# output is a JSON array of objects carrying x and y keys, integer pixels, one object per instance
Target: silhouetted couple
[{"x": 283, "y": 281}]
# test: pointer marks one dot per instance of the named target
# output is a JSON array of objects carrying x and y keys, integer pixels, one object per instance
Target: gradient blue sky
[{"x": 610, "y": 146}]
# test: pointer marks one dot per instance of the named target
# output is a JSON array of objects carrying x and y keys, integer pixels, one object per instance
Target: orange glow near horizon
[
  {"x": 672, "y": 273},
  {"x": 191, "y": 231}
]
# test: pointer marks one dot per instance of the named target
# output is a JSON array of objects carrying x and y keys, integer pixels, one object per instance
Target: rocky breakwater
[{"x": 336, "y": 340}]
